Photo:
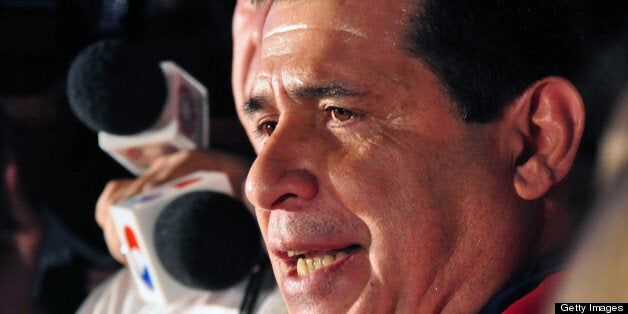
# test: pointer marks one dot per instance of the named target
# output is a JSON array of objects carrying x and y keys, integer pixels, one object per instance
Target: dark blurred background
[
  {"x": 54, "y": 169},
  {"x": 51, "y": 250}
]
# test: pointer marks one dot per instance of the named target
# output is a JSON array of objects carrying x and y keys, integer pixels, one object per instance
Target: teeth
[
  {"x": 317, "y": 262},
  {"x": 309, "y": 264},
  {"x": 328, "y": 260},
  {"x": 295, "y": 253},
  {"x": 301, "y": 268}
]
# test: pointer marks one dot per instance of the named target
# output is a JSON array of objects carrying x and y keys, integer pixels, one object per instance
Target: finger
[
  {"x": 154, "y": 175},
  {"x": 113, "y": 242},
  {"x": 169, "y": 167},
  {"x": 115, "y": 191}
]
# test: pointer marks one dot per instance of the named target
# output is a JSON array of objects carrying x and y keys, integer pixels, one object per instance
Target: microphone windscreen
[
  {"x": 207, "y": 240},
  {"x": 116, "y": 87}
]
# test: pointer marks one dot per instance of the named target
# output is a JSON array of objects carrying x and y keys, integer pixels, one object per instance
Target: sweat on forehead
[{"x": 335, "y": 15}]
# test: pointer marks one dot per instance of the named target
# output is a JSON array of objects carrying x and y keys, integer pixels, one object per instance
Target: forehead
[
  {"x": 375, "y": 20},
  {"x": 314, "y": 35}
]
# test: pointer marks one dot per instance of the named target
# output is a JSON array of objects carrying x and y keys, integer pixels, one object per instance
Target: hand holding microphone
[
  {"x": 217, "y": 262},
  {"x": 164, "y": 169},
  {"x": 187, "y": 236}
]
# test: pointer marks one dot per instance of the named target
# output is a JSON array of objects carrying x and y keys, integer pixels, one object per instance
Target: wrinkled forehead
[{"x": 375, "y": 20}]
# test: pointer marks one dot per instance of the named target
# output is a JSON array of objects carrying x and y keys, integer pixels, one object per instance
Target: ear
[{"x": 550, "y": 118}]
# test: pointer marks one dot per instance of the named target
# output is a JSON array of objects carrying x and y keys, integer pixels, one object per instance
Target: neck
[{"x": 557, "y": 220}]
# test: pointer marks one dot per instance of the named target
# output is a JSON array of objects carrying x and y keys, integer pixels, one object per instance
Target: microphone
[
  {"x": 186, "y": 236},
  {"x": 141, "y": 107}
]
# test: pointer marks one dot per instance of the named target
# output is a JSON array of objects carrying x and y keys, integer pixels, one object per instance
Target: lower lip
[{"x": 317, "y": 283}]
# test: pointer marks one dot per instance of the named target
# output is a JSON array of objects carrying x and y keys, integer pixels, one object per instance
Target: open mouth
[{"x": 309, "y": 261}]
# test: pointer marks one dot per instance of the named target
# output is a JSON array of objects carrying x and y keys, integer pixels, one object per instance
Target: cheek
[
  {"x": 383, "y": 171},
  {"x": 386, "y": 183},
  {"x": 406, "y": 196},
  {"x": 262, "y": 220}
]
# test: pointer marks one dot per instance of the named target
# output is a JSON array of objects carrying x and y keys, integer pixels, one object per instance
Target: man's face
[{"x": 365, "y": 173}]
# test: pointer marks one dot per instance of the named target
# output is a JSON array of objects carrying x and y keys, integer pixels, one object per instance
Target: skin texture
[{"x": 360, "y": 147}]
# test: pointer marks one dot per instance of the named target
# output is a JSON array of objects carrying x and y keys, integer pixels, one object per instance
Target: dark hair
[{"x": 487, "y": 52}]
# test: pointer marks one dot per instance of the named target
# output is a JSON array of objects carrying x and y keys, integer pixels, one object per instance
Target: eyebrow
[
  {"x": 253, "y": 105},
  {"x": 260, "y": 2},
  {"x": 257, "y": 103}
]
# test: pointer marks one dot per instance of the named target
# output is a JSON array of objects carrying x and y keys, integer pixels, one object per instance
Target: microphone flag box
[
  {"x": 183, "y": 124},
  {"x": 134, "y": 220}
]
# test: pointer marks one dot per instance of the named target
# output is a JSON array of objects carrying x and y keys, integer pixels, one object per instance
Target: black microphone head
[
  {"x": 116, "y": 87},
  {"x": 207, "y": 240}
]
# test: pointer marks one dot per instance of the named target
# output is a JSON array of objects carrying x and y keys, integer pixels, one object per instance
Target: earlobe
[{"x": 552, "y": 121}]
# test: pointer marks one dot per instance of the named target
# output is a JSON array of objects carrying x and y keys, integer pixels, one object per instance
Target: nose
[{"x": 282, "y": 175}]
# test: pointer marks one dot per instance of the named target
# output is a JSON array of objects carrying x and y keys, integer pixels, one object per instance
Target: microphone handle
[{"x": 254, "y": 285}]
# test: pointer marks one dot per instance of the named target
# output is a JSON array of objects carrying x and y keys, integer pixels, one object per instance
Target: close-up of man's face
[{"x": 371, "y": 192}]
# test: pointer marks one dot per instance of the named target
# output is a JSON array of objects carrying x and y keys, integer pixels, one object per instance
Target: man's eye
[
  {"x": 266, "y": 128},
  {"x": 340, "y": 114}
]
